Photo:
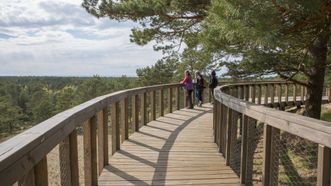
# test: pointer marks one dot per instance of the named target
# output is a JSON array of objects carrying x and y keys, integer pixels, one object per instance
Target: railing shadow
[{"x": 159, "y": 179}]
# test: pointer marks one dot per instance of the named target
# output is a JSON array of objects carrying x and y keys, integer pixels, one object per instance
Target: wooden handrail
[
  {"x": 239, "y": 99},
  {"x": 23, "y": 157}
]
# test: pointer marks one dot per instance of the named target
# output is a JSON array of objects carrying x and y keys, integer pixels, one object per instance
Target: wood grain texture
[{"x": 164, "y": 153}]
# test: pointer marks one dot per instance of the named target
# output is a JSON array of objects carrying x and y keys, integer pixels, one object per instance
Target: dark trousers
[
  {"x": 198, "y": 95},
  {"x": 189, "y": 103}
]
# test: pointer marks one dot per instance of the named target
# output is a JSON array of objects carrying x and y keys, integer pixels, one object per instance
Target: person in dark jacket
[
  {"x": 212, "y": 82},
  {"x": 199, "y": 86},
  {"x": 188, "y": 86}
]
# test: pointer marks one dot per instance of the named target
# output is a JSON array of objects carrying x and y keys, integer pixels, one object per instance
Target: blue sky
[{"x": 58, "y": 38}]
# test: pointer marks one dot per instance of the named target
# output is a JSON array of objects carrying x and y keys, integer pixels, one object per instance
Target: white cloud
[{"x": 58, "y": 37}]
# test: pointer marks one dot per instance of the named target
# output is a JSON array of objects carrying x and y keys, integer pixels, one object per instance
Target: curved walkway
[{"x": 176, "y": 149}]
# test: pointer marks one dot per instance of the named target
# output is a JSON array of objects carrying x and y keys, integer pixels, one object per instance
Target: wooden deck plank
[{"x": 176, "y": 149}]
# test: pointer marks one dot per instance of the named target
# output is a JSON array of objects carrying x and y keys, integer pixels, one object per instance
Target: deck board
[{"x": 176, "y": 149}]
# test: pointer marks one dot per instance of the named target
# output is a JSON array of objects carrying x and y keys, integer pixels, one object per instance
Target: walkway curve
[{"x": 176, "y": 149}]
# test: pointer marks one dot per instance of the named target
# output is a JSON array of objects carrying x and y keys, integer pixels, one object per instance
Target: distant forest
[{"x": 26, "y": 101}]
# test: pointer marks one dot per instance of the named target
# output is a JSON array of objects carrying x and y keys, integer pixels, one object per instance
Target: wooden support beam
[
  {"x": 115, "y": 127},
  {"x": 143, "y": 109},
  {"x": 124, "y": 120},
  {"x": 135, "y": 114},
  {"x": 244, "y": 149},
  {"x": 170, "y": 100},
  {"x": 153, "y": 105},
  {"x": 41, "y": 173},
  {"x": 90, "y": 152},
  {"x": 161, "y": 102},
  {"x": 228, "y": 136},
  {"x": 324, "y": 166},
  {"x": 177, "y": 98}
]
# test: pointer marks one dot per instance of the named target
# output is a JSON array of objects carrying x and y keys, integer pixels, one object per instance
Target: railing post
[
  {"x": 279, "y": 87},
  {"x": 185, "y": 101},
  {"x": 68, "y": 156},
  {"x": 294, "y": 94},
  {"x": 143, "y": 109},
  {"x": 28, "y": 179},
  {"x": 272, "y": 95},
  {"x": 246, "y": 90},
  {"x": 253, "y": 91},
  {"x": 259, "y": 91},
  {"x": 244, "y": 149},
  {"x": 324, "y": 166},
  {"x": 170, "y": 99},
  {"x": 302, "y": 93},
  {"x": 329, "y": 98},
  {"x": 266, "y": 95},
  {"x": 105, "y": 113},
  {"x": 153, "y": 105},
  {"x": 135, "y": 116},
  {"x": 215, "y": 121},
  {"x": 286, "y": 93},
  {"x": 124, "y": 120},
  {"x": 161, "y": 102},
  {"x": 229, "y": 136},
  {"x": 177, "y": 98},
  {"x": 219, "y": 126},
  {"x": 271, "y": 137},
  {"x": 41, "y": 173},
  {"x": 115, "y": 128},
  {"x": 90, "y": 152}
]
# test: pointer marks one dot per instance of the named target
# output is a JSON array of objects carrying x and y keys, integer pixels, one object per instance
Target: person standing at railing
[
  {"x": 188, "y": 86},
  {"x": 199, "y": 86},
  {"x": 212, "y": 82}
]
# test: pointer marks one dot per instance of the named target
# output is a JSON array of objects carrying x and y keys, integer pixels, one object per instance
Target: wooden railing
[
  {"x": 23, "y": 159},
  {"x": 239, "y": 110}
]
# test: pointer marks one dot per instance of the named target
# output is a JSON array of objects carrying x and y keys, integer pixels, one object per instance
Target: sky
[{"x": 59, "y": 38}]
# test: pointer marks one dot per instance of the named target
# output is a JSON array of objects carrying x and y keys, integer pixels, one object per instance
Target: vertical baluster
[
  {"x": 279, "y": 87},
  {"x": 294, "y": 94},
  {"x": 135, "y": 114},
  {"x": 124, "y": 120},
  {"x": 259, "y": 94},
  {"x": 229, "y": 135},
  {"x": 244, "y": 149},
  {"x": 286, "y": 93},
  {"x": 246, "y": 90},
  {"x": 302, "y": 93},
  {"x": 253, "y": 90},
  {"x": 105, "y": 134},
  {"x": 270, "y": 155},
  {"x": 74, "y": 158},
  {"x": 215, "y": 114},
  {"x": 266, "y": 94},
  {"x": 329, "y": 98},
  {"x": 41, "y": 173},
  {"x": 161, "y": 102},
  {"x": 115, "y": 128},
  {"x": 90, "y": 153},
  {"x": 170, "y": 99},
  {"x": 68, "y": 156},
  {"x": 28, "y": 179},
  {"x": 185, "y": 101},
  {"x": 272, "y": 95},
  {"x": 177, "y": 98},
  {"x": 143, "y": 109},
  {"x": 153, "y": 105},
  {"x": 324, "y": 166}
]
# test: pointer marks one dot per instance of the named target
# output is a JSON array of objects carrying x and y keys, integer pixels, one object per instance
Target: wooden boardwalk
[{"x": 176, "y": 149}]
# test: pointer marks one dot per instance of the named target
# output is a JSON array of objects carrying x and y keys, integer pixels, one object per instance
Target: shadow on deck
[{"x": 176, "y": 149}]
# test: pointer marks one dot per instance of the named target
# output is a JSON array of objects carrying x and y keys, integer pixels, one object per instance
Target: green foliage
[
  {"x": 26, "y": 101},
  {"x": 160, "y": 20},
  {"x": 160, "y": 73}
]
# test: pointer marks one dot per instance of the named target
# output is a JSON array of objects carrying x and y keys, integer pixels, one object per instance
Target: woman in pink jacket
[{"x": 188, "y": 86}]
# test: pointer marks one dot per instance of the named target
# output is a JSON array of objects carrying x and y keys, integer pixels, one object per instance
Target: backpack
[{"x": 213, "y": 82}]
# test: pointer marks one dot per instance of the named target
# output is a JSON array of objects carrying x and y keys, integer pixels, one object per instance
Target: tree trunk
[{"x": 316, "y": 78}]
